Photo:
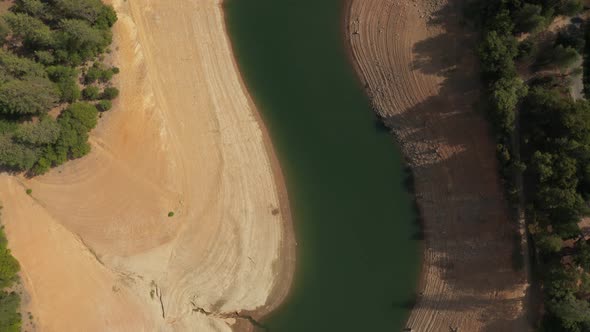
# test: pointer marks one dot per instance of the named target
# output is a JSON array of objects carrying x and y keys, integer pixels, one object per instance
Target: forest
[
  {"x": 529, "y": 66},
  {"x": 53, "y": 80}
]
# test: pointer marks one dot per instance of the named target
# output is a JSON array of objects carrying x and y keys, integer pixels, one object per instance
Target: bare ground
[
  {"x": 419, "y": 69},
  {"x": 97, "y": 249}
]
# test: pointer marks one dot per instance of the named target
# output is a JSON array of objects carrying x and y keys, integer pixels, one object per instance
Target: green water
[{"x": 357, "y": 253}]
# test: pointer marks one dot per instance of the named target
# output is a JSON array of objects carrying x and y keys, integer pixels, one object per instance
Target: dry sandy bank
[
  {"x": 97, "y": 249},
  {"x": 419, "y": 71}
]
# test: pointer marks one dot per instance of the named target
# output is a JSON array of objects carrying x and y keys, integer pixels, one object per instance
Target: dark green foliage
[
  {"x": 15, "y": 156},
  {"x": 65, "y": 79},
  {"x": 586, "y": 77},
  {"x": 529, "y": 18},
  {"x": 92, "y": 75},
  {"x": 10, "y": 318},
  {"x": 527, "y": 49},
  {"x": 75, "y": 124},
  {"x": 87, "y": 10},
  {"x": 570, "y": 7},
  {"x": 29, "y": 96},
  {"x": 104, "y": 105},
  {"x": 572, "y": 37},
  {"x": 15, "y": 67},
  {"x": 45, "y": 57},
  {"x": 81, "y": 40},
  {"x": 110, "y": 93},
  {"x": 30, "y": 30},
  {"x": 91, "y": 92},
  {"x": 35, "y": 8},
  {"x": 44, "y": 132},
  {"x": 9, "y": 267},
  {"x": 4, "y": 30},
  {"x": 564, "y": 56},
  {"x": 554, "y": 142},
  {"x": 45, "y": 44},
  {"x": 497, "y": 53}
]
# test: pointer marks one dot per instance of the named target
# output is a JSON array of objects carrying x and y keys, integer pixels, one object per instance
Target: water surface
[{"x": 357, "y": 251}]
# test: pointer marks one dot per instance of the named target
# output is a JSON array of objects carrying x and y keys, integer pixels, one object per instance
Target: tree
[
  {"x": 550, "y": 243},
  {"x": 91, "y": 92},
  {"x": 77, "y": 36},
  {"x": 29, "y": 96},
  {"x": 564, "y": 57},
  {"x": 505, "y": 94},
  {"x": 497, "y": 53},
  {"x": 65, "y": 79},
  {"x": 30, "y": 30},
  {"x": 529, "y": 18},
  {"x": 570, "y": 7},
  {"x": 15, "y": 156},
  {"x": 34, "y": 8},
  {"x": 87, "y": 10},
  {"x": 10, "y": 319},
  {"x": 13, "y": 66},
  {"x": 46, "y": 131},
  {"x": 571, "y": 311},
  {"x": 104, "y": 105},
  {"x": 110, "y": 93}
]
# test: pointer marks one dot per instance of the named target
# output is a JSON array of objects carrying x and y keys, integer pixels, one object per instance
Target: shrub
[
  {"x": 91, "y": 93},
  {"x": 110, "y": 93},
  {"x": 104, "y": 105}
]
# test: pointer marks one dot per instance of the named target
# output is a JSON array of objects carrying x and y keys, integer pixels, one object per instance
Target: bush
[
  {"x": 110, "y": 93},
  {"x": 104, "y": 105},
  {"x": 91, "y": 93}
]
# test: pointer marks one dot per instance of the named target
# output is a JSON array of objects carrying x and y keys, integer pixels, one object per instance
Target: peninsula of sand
[
  {"x": 97, "y": 249},
  {"x": 418, "y": 67}
]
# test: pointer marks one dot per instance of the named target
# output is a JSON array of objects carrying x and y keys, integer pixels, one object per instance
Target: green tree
[
  {"x": 30, "y": 96},
  {"x": 10, "y": 318},
  {"x": 529, "y": 18},
  {"x": 110, "y": 93},
  {"x": 46, "y": 131},
  {"x": 91, "y": 92},
  {"x": 30, "y": 30},
  {"x": 564, "y": 57}
]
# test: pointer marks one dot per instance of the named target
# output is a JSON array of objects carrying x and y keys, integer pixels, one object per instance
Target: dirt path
[
  {"x": 97, "y": 248},
  {"x": 420, "y": 74}
]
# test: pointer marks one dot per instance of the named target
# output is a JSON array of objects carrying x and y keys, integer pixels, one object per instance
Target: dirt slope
[
  {"x": 97, "y": 248},
  {"x": 419, "y": 71}
]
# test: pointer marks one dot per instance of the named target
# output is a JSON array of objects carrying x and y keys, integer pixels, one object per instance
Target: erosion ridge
[{"x": 420, "y": 74}]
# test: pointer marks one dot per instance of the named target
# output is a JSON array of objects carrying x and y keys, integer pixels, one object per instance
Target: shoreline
[
  {"x": 416, "y": 133},
  {"x": 364, "y": 86},
  {"x": 282, "y": 290}
]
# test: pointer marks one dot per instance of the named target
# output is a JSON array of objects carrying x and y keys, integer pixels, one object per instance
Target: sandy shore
[
  {"x": 97, "y": 249},
  {"x": 420, "y": 74}
]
